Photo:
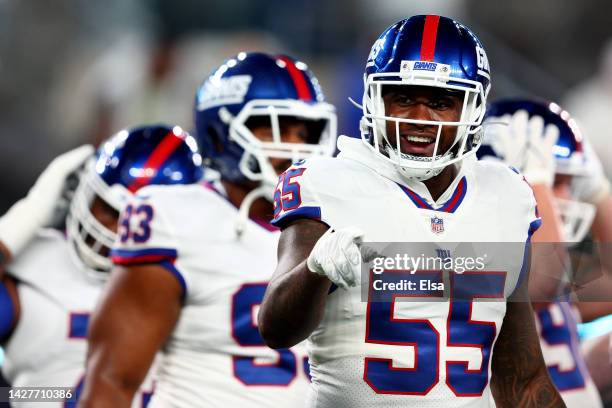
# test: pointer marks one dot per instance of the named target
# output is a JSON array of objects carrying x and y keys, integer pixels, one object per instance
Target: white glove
[
  {"x": 36, "y": 210},
  {"x": 593, "y": 186},
  {"x": 336, "y": 255},
  {"x": 526, "y": 145}
]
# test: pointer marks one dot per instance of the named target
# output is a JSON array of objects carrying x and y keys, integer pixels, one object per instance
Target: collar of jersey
[
  {"x": 449, "y": 206},
  {"x": 217, "y": 188},
  {"x": 355, "y": 149}
]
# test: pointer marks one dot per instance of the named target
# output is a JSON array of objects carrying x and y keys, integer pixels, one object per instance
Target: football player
[
  {"x": 54, "y": 280},
  {"x": 412, "y": 177},
  {"x": 544, "y": 143},
  {"x": 192, "y": 287}
]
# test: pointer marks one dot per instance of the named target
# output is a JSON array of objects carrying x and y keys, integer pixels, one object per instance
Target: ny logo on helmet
[
  {"x": 376, "y": 48},
  {"x": 224, "y": 91},
  {"x": 481, "y": 60}
]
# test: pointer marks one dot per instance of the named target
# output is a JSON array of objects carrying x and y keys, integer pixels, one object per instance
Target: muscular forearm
[
  {"x": 536, "y": 391},
  {"x": 106, "y": 383},
  {"x": 295, "y": 295},
  {"x": 519, "y": 377},
  {"x": 294, "y": 302},
  {"x": 105, "y": 392}
]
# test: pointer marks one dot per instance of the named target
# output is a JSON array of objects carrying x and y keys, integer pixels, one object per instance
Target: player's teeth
[{"x": 419, "y": 139}]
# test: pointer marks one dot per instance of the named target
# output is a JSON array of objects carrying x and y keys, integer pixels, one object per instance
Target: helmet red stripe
[
  {"x": 299, "y": 79},
  {"x": 161, "y": 153},
  {"x": 428, "y": 43}
]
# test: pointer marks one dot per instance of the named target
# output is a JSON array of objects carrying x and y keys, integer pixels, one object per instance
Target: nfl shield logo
[{"x": 437, "y": 225}]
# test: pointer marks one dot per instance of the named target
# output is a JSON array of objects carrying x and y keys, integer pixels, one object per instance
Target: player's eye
[
  {"x": 401, "y": 99},
  {"x": 442, "y": 103}
]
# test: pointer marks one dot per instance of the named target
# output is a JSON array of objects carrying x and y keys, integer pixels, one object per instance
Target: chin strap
[
  {"x": 243, "y": 211},
  {"x": 409, "y": 173}
]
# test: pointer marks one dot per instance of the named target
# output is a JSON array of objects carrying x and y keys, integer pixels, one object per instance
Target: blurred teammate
[
  {"x": 412, "y": 178},
  {"x": 192, "y": 287},
  {"x": 54, "y": 280},
  {"x": 544, "y": 143}
]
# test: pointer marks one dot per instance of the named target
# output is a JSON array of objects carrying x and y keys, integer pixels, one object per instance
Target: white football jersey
[
  {"x": 215, "y": 356},
  {"x": 409, "y": 353},
  {"x": 49, "y": 343},
  {"x": 561, "y": 349}
]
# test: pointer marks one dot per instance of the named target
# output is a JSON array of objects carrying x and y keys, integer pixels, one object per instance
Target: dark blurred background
[{"x": 73, "y": 71}]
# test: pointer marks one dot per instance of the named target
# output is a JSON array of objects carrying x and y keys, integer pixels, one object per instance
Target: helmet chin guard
[
  {"x": 90, "y": 241},
  {"x": 576, "y": 219}
]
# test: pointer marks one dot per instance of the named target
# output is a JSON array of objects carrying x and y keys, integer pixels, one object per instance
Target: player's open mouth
[{"x": 421, "y": 145}]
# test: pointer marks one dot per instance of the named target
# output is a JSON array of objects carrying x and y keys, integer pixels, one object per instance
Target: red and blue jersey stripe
[
  {"x": 450, "y": 206},
  {"x": 140, "y": 256}
]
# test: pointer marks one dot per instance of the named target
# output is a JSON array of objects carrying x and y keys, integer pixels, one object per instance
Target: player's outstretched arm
[
  {"x": 294, "y": 302},
  {"x": 520, "y": 378},
  {"x": 134, "y": 318}
]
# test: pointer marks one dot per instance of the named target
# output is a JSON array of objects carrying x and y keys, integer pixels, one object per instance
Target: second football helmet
[
  {"x": 576, "y": 216},
  {"x": 131, "y": 159},
  {"x": 257, "y": 85}
]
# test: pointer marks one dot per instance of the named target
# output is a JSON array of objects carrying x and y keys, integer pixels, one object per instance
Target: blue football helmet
[
  {"x": 432, "y": 51},
  {"x": 253, "y": 85},
  {"x": 576, "y": 216},
  {"x": 569, "y": 154},
  {"x": 131, "y": 159}
]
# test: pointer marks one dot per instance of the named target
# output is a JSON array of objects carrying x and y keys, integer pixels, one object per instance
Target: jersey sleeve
[
  {"x": 145, "y": 235},
  {"x": 529, "y": 218},
  {"x": 296, "y": 195}
]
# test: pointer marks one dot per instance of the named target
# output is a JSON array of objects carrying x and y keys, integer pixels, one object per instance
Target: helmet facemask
[
  {"x": 255, "y": 162},
  {"x": 576, "y": 219},
  {"x": 91, "y": 241},
  {"x": 576, "y": 216},
  {"x": 469, "y": 124}
]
